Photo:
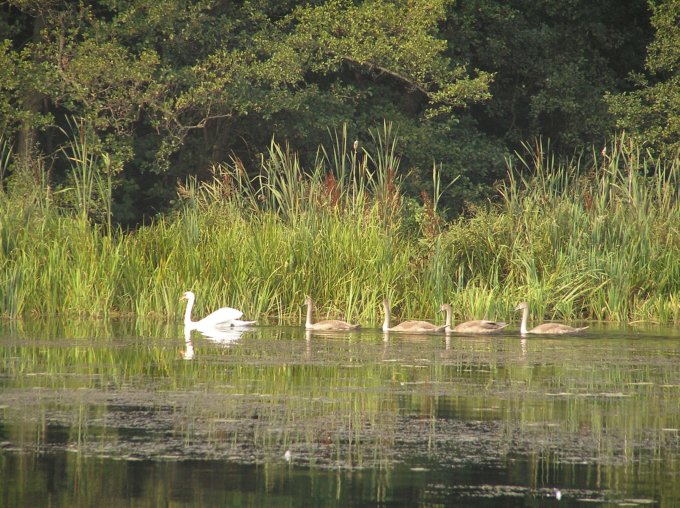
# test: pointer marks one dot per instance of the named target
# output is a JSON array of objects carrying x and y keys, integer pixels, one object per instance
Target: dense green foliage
[
  {"x": 251, "y": 110},
  {"x": 593, "y": 239},
  {"x": 652, "y": 111},
  {"x": 171, "y": 87}
]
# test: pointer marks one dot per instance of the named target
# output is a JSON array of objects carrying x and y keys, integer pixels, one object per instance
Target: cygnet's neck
[
  {"x": 449, "y": 316},
  {"x": 310, "y": 306},
  {"x": 525, "y": 320},
  {"x": 386, "y": 322}
]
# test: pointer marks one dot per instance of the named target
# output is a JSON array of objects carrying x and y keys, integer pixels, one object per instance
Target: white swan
[
  {"x": 408, "y": 326},
  {"x": 475, "y": 326},
  {"x": 328, "y": 324},
  {"x": 545, "y": 328},
  {"x": 221, "y": 318}
]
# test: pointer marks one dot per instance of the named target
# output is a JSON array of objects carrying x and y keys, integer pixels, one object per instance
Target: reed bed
[
  {"x": 597, "y": 240},
  {"x": 596, "y": 237}
]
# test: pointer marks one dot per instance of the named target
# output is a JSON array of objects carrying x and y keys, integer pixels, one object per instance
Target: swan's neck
[
  {"x": 386, "y": 323},
  {"x": 449, "y": 317},
  {"x": 310, "y": 307},
  {"x": 525, "y": 320},
  {"x": 187, "y": 313}
]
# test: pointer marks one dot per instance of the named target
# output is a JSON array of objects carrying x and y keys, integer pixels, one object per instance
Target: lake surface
[{"x": 140, "y": 415}]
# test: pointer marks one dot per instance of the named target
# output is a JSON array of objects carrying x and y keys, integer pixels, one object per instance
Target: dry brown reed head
[
  {"x": 331, "y": 190},
  {"x": 432, "y": 222},
  {"x": 183, "y": 190}
]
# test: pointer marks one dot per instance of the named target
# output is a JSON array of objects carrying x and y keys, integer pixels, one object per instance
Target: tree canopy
[
  {"x": 651, "y": 111},
  {"x": 170, "y": 87}
]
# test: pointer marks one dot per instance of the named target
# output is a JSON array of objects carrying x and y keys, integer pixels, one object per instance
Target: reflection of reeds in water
[{"x": 344, "y": 403}]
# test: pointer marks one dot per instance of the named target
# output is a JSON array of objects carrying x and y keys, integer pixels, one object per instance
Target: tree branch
[
  {"x": 204, "y": 121},
  {"x": 383, "y": 70}
]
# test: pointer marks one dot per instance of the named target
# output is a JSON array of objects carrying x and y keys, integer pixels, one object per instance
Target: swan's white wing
[{"x": 221, "y": 317}]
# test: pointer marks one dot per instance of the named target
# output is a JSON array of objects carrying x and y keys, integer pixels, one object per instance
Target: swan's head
[
  {"x": 522, "y": 306},
  {"x": 308, "y": 300},
  {"x": 445, "y": 307},
  {"x": 188, "y": 295}
]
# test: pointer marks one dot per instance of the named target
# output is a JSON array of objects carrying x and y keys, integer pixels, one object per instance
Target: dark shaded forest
[{"x": 165, "y": 89}]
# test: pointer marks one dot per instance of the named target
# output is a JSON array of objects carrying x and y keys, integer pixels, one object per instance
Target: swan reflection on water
[
  {"x": 188, "y": 353},
  {"x": 225, "y": 336}
]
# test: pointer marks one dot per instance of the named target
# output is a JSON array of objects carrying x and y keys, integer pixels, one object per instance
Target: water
[{"x": 137, "y": 414}]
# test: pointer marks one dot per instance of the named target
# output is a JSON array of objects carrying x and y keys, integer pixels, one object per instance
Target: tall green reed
[
  {"x": 607, "y": 224},
  {"x": 591, "y": 237},
  {"x": 90, "y": 171}
]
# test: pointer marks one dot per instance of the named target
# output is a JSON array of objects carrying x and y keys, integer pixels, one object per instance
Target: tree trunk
[{"x": 32, "y": 102}]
